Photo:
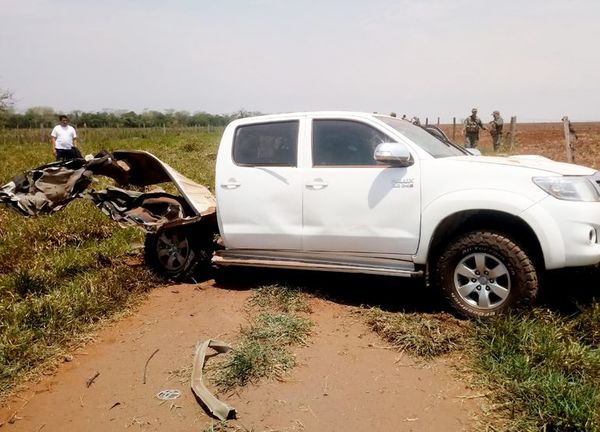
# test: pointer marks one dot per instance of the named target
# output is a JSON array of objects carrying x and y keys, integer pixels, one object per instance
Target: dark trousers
[
  {"x": 471, "y": 140},
  {"x": 497, "y": 140},
  {"x": 72, "y": 153}
]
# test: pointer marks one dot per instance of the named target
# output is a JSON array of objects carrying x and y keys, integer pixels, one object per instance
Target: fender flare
[{"x": 540, "y": 222}]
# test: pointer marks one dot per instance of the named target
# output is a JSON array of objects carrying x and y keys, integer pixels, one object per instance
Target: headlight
[{"x": 568, "y": 188}]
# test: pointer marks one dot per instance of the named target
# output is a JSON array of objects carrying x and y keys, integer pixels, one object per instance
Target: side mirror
[
  {"x": 396, "y": 154},
  {"x": 473, "y": 151}
]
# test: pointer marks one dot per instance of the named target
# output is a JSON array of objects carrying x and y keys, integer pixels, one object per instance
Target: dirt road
[{"x": 346, "y": 379}]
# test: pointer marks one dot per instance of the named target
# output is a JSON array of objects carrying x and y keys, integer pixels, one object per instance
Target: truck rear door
[{"x": 258, "y": 186}]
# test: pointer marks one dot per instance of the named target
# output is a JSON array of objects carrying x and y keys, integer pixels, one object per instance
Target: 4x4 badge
[{"x": 404, "y": 183}]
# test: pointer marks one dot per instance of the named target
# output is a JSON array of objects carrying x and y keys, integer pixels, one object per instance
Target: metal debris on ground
[
  {"x": 168, "y": 394},
  {"x": 91, "y": 380},
  {"x": 146, "y": 365},
  {"x": 216, "y": 407}
]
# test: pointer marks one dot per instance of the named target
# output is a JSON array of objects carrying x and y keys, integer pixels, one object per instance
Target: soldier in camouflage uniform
[
  {"x": 471, "y": 129},
  {"x": 496, "y": 126}
]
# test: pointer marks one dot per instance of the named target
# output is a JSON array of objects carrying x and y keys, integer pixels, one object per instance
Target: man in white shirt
[{"x": 64, "y": 140}]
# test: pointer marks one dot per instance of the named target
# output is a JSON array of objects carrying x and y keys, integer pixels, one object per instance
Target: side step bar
[{"x": 402, "y": 269}]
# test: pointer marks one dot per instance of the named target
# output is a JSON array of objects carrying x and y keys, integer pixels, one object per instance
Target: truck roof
[{"x": 290, "y": 115}]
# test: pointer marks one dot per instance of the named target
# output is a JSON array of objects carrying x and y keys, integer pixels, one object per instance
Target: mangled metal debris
[
  {"x": 49, "y": 188},
  {"x": 148, "y": 210},
  {"x": 216, "y": 407}
]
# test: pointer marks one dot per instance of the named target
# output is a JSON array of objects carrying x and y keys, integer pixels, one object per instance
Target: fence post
[
  {"x": 41, "y": 133},
  {"x": 438, "y": 122},
  {"x": 568, "y": 144},
  {"x": 426, "y": 121},
  {"x": 513, "y": 131},
  {"x": 453, "y": 128}
]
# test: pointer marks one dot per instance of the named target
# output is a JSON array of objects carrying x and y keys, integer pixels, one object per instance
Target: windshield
[{"x": 422, "y": 138}]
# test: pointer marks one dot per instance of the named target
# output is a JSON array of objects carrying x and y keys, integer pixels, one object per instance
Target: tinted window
[
  {"x": 344, "y": 142},
  {"x": 266, "y": 144}
]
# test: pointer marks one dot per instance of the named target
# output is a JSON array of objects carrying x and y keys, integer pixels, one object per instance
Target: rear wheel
[
  {"x": 484, "y": 273},
  {"x": 173, "y": 253}
]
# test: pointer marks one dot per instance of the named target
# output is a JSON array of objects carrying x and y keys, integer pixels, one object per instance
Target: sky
[{"x": 537, "y": 59}]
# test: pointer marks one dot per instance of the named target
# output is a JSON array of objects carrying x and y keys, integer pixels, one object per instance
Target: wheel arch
[
  {"x": 201, "y": 226},
  {"x": 199, "y": 240},
  {"x": 462, "y": 222}
]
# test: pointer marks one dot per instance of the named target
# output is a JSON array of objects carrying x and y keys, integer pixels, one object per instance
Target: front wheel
[{"x": 484, "y": 273}]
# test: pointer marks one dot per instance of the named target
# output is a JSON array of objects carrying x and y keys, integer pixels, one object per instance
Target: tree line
[{"x": 46, "y": 117}]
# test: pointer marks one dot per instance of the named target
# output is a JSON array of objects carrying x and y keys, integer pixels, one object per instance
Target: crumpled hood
[{"x": 532, "y": 162}]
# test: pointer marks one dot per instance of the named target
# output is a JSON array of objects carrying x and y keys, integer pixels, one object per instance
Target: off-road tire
[
  {"x": 175, "y": 254},
  {"x": 504, "y": 258}
]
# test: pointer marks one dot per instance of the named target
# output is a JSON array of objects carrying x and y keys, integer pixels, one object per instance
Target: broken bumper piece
[{"x": 216, "y": 407}]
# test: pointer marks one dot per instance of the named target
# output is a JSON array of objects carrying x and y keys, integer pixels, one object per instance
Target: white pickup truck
[{"x": 369, "y": 193}]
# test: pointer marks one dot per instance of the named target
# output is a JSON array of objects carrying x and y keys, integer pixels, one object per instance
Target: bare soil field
[
  {"x": 546, "y": 139},
  {"x": 347, "y": 378}
]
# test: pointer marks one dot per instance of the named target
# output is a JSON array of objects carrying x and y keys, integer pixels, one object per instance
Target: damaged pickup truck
[{"x": 368, "y": 193}]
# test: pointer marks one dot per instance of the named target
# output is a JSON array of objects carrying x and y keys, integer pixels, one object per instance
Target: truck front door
[{"x": 352, "y": 203}]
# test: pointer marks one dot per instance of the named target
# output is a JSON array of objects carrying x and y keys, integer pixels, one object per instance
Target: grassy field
[{"x": 60, "y": 275}]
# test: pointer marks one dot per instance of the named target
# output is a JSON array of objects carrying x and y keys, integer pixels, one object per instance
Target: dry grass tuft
[
  {"x": 419, "y": 334},
  {"x": 264, "y": 346}
]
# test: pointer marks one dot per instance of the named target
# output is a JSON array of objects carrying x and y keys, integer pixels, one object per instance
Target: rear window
[{"x": 266, "y": 144}]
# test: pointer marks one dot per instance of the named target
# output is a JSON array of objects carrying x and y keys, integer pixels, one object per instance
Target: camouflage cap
[
  {"x": 474, "y": 110},
  {"x": 496, "y": 112}
]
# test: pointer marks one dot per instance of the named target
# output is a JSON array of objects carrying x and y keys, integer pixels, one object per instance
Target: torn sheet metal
[
  {"x": 216, "y": 407},
  {"x": 149, "y": 210},
  {"x": 145, "y": 169},
  {"x": 49, "y": 188}
]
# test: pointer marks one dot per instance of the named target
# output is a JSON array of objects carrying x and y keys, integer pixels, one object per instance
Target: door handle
[
  {"x": 231, "y": 184},
  {"x": 317, "y": 184}
]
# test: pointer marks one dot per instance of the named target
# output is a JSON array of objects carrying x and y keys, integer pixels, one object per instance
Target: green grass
[
  {"x": 263, "y": 350},
  {"x": 543, "y": 369},
  {"x": 61, "y": 274}
]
